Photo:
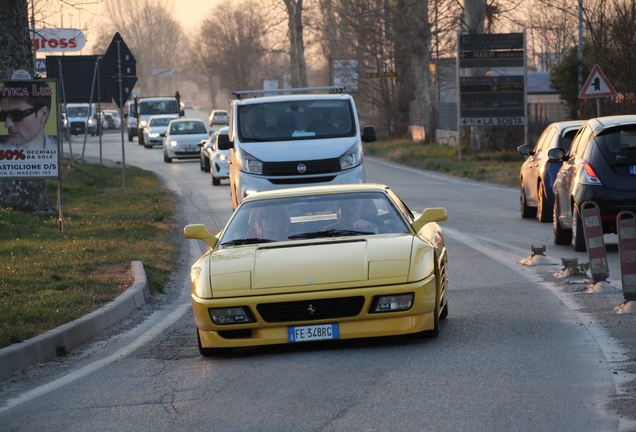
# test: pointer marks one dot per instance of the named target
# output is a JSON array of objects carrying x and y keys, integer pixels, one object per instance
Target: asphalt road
[{"x": 514, "y": 354}]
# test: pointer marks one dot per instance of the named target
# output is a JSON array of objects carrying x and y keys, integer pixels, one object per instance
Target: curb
[{"x": 74, "y": 334}]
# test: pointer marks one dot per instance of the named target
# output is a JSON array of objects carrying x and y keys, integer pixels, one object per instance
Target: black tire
[
  {"x": 166, "y": 158},
  {"x": 141, "y": 140},
  {"x": 544, "y": 211},
  {"x": 560, "y": 235},
  {"x": 430, "y": 334},
  {"x": 526, "y": 211},
  {"x": 444, "y": 313},
  {"x": 211, "y": 352},
  {"x": 130, "y": 137},
  {"x": 201, "y": 163},
  {"x": 206, "y": 164},
  {"x": 215, "y": 181},
  {"x": 578, "y": 236}
]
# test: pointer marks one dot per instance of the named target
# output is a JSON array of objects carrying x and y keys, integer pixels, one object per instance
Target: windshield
[
  {"x": 77, "y": 111},
  {"x": 158, "y": 107},
  {"x": 292, "y": 120},
  {"x": 187, "y": 127},
  {"x": 313, "y": 217},
  {"x": 159, "y": 122}
]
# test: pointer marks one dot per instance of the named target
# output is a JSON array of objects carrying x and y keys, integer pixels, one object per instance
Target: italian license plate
[
  {"x": 313, "y": 332},
  {"x": 632, "y": 169}
]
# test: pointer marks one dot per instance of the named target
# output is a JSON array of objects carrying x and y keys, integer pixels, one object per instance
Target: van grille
[
  {"x": 322, "y": 166},
  {"x": 311, "y": 310}
]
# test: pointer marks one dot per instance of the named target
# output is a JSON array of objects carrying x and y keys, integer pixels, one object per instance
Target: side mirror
[
  {"x": 200, "y": 232},
  {"x": 557, "y": 155},
  {"x": 434, "y": 214},
  {"x": 525, "y": 150},
  {"x": 368, "y": 134},
  {"x": 223, "y": 142}
]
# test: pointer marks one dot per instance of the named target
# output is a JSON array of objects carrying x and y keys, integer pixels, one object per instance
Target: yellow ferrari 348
[{"x": 319, "y": 263}]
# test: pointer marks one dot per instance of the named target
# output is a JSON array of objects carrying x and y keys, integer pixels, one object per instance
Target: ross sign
[
  {"x": 494, "y": 100},
  {"x": 57, "y": 40},
  {"x": 597, "y": 85}
]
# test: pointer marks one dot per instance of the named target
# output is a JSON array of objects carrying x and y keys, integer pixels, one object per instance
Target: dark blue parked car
[{"x": 538, "y": 172}]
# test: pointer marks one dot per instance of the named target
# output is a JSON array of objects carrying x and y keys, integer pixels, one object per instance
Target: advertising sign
[
  {"x": 345, "y": 73},
  {"x": 28, "y": 130},
  {"x": 57, "y": 40}
]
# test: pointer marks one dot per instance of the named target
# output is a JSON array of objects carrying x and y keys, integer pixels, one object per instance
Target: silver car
[
  {"x": 182, "y": 139},
  {"x": 215, "y": 161},
  {"x": 155, "y": 130}
]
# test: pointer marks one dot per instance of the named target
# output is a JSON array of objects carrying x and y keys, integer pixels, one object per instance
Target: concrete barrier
[
  {"x": 591, "y": 218},
  {"x": 626, "y": 229}
]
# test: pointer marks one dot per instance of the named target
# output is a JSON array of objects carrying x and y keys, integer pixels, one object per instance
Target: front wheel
[
  {"x": 215, "y": 181},
  {"x": 544, "y": 211},
  {"x": 561, "y": 235},
  {"x": 166, "y": 158},
  {"x": 578, "y": 236},
  {"x": 527, "y": 212}
]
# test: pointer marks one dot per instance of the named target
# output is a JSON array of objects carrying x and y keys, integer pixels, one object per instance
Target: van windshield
[
  {"x": 293, "y": 120},
  {"x": 77, "y": 111}
]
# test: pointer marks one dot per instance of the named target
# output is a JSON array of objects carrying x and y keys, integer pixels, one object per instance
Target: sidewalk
[{"x": 69, "y": 336}]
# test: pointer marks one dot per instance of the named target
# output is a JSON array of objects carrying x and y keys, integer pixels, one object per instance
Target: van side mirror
[
  {"x": 368, "y": 134},
  {"x": 223, "y": 142}
]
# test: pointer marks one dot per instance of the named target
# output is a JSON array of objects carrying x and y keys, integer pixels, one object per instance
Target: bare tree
[
  {"x": 296, "y": 42},
  {"x": 15, "y": 53},
  {"x": 151, "y": 32},
  {"x": 229, "y": 45}
]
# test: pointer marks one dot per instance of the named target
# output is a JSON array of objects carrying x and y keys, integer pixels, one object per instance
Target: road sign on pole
[{"x": 597, "y": 85}]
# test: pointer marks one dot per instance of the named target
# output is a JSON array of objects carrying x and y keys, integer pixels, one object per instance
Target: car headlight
[
  {"x": 235, "y": 315},
  {"x": 351, "y": 158},
  {"x": 143, "y": 123},
  {"x": 174, "y": 143},
  {"x": 90, "y": 121},
  {"x": 392, "y": 303},
  {"x": 250, "y": 164},
  {"x": 222, "y": 157}
]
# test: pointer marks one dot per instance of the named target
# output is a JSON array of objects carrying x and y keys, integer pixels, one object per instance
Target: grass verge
[
  {"x": 491, "y": 167},
  {"x": 48, "y": 278}
]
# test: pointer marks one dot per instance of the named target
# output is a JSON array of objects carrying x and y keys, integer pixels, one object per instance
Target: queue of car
[
  {"x": 562, "y": 172},
  {"x": 297, "y": 262}
]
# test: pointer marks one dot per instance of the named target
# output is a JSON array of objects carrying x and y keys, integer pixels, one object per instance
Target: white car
[
  {"x": 219, "y": 160},
  {"x": 182, "y": 139},
  {"x": 116, "y": 118},
  {"x": 219, "y": 117},
  {"x": 155, "y": 130}
]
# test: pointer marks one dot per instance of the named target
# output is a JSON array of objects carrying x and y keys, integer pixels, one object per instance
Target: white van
[
  {"x": 293, "y": 140},
  {"x": 77, "y": 116}
]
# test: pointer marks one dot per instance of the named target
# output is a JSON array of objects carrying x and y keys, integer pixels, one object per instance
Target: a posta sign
[{"x": 54, "y": 40}]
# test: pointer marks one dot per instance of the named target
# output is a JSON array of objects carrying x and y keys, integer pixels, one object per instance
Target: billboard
[{"x": 29, "y": 130}]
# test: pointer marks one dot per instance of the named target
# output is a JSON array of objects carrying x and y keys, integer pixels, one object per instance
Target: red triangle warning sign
[{"x": 597, "y": 85}]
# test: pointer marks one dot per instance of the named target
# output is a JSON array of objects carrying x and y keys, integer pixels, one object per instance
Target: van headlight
[
  {"x": 250, "y": 164},
  {"x": 351, "y": 158}
]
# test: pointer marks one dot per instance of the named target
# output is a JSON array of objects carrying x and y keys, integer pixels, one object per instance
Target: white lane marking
[{"x": 86, "y": 370}]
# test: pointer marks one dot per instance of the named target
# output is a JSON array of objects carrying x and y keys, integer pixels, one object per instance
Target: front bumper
[{"x": 365, "y": 324}]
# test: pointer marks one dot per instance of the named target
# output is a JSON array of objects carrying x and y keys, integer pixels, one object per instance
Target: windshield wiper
[
  {"x": 244, "y": 241},
  {"x": 329, "y": 233}
]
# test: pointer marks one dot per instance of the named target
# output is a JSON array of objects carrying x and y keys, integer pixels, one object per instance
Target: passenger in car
[
  {"x": 348, "y": 212},
  {"x": 271, "y": 223}
]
